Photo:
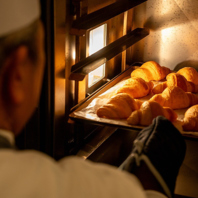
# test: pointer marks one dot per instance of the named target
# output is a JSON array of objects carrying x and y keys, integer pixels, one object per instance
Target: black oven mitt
[{"x": 162, "y": 148}]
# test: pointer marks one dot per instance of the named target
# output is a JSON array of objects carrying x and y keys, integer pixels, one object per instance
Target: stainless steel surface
[
  {"x": 187, "y": 180},
  {"x": 98, "y": 139},
  {"x": 173, "y": 38},
  {"x": 116, "y": 148}
]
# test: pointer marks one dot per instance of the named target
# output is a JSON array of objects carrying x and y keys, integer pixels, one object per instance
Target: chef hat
[{"x": 17, "y": 14}]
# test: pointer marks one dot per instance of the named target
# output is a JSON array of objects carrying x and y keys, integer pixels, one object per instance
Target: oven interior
[{"x": 126, "y": 33}]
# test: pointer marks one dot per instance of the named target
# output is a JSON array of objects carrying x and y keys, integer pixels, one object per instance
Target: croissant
[
  {"x": 136, "y": 87},
  {"x": 148, "y": 111},
  {"x": 119, "y": 106},
  {"x": 159, "y": 88},
  {"x": 190, "y": 74},
  {"x": 190, "y": 122},
  {"x": 175, "y": 98},
  {"x": 175, "y": 79},
  {"x": 151, "y": 70}
]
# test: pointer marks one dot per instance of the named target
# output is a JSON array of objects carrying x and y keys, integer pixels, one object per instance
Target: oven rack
[
  {"x": 85, "y": 22},
  {"x": 84, "y": 66}
]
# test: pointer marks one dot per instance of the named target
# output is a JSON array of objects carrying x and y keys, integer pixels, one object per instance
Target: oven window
[
  {"x": 96, "y": 75},
  {"x": 97, "y": 40}
]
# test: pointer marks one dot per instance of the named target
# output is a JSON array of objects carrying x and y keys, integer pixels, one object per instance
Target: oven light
[
  {"x": 74, "y": 55},
  {"x": 96, "y": 75},
  {"x": 167, "y": 34},
  {"x": 97, "y": 39}
]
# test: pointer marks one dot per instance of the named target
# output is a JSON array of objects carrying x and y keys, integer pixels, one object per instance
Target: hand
[{"x": 158, "y": 149}]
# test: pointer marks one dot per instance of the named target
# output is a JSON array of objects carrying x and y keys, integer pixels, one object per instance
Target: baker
[{"x": 150, "y": 170}]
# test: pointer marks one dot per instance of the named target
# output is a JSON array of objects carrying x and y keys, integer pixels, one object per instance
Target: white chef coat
[{"x": 33, "y": 174}]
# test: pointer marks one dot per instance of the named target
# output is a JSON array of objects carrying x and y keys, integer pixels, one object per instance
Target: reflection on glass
[
  {"x": 97, "y": 40},
  {"x": 96, "y": 75}
]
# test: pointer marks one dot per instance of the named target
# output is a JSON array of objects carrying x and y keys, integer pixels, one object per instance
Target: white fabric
[
  {"x": 33, "y": 174},
  {"x": 16, "y": 14},
  {"x": 154, "y": 194}
]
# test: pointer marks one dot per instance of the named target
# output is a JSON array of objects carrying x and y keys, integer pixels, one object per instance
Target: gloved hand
[{"x": 162, "y": 148}]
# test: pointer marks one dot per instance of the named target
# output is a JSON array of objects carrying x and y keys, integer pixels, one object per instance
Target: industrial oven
[{"x": 90, "y": 46}]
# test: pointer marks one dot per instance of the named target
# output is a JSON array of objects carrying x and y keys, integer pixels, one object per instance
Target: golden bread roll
[
  {"x": 159, "y": 87},
  {"x": 175, "y": 98},
  {"x": 148, "y": 111},
  {"x": 190, "y": 74},
  {"x": 175, "y": 79},
  {"x": 151, "y": 70},
  {"x": 119, "y": 106},
  {"x": 135, "y": 87},
  {"x": 190, "y": 122}
]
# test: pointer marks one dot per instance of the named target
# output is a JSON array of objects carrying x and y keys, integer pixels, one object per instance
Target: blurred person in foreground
[{"x": 150, "y": 170}]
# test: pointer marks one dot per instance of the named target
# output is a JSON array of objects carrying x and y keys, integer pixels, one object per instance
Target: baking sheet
[{"x": 87, "y": 112}]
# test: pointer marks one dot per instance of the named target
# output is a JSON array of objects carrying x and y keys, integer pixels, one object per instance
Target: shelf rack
[
  {"x": 84, "y": 66},
  {"x": 82, "y": 24}
]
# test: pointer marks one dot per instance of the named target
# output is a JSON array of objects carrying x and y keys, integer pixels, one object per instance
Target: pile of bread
[{"x": 168, "y": 91}]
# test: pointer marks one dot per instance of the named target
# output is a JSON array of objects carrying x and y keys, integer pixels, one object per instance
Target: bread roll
[
  {"x": 178, "y": 80},
  {"x": 175, "y": 98},
  {"x": 135, "y": 87},
  {"x": 190, "y": 122},
  {"x": 148, "y": 111},
  {"x": 119, "y": 106},
  {"x": 151, "y": 70},
  {"x": 190, "y": 74}
]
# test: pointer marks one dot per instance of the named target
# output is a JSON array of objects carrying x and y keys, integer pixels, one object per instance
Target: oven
[{"x": 91, "y": 46}]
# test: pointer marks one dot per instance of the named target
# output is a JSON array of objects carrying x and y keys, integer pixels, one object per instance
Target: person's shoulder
[{"x": 25, "y": 156}]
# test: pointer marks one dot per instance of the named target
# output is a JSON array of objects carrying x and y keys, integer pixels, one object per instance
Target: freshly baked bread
[
  {"x": 175, "y": 98},
  {"x": 175, "y": 79},
  {"x": 151, "y": 70},
  {"x": 159, "y": 87},
  {"x": 119, "y": 106},
  {"x": 190, "y": 121},
  {"x": 136, "y": 87},
  {"x": 190, "y": 74},
  {"x": 148, "y": 111}
]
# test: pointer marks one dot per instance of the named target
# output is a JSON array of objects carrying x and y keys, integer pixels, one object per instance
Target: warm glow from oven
[
  {"x": 165, "y": 7},
  {"x": 96, "y": 75},
  {"x": 97, "y": 40},
  {"x": 167, "y": 35},
  {"x": 74, "y": 55}
]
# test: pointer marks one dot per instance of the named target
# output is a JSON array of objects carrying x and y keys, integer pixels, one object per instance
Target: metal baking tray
[{"x": 85, "y": 111}]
